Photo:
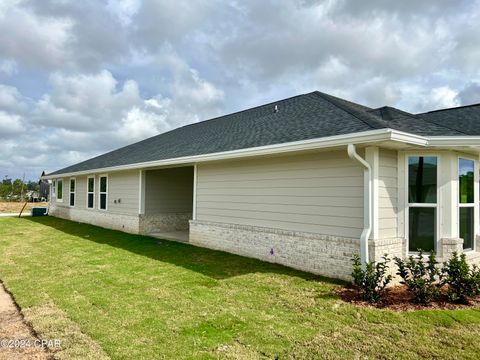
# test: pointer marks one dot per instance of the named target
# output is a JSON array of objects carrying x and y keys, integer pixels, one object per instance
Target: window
[
  {"x": 422, "y": 202},
  {"x": 59, "y": 190},
  {"x": 466, "y": 170},
  {"x": 54, "y": 183},
  {"x": 90, "y": 192},
  {"x": 103, "y": 192},
  {"x": 72, "y": 192}
]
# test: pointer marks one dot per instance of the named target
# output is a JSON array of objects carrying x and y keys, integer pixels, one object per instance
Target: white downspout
[{"x": 367, "y": 203}]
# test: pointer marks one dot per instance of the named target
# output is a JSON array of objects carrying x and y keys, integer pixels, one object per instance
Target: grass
[{"x": 109, "y": 294}]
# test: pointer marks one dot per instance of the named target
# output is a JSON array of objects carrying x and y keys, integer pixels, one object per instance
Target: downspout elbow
[{"x": 367, "y": 203}]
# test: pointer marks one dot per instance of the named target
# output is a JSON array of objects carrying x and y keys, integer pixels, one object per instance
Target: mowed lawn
[{"x": 107, "y": 294}]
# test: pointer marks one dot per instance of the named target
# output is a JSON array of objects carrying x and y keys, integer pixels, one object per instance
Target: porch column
[
  {"x": 448, "y": 196},
  {"x": 141, "y": 192}
]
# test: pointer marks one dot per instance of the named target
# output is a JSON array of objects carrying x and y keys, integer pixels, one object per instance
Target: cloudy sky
[{"x": 78, "y": 78}]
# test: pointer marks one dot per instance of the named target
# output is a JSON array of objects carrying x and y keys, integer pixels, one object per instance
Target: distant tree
[
  {"x": 18, "y": 186},
  {"x": 32, "y": 185}
]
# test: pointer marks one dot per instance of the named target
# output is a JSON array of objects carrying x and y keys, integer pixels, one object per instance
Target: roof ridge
[
  {"x": 451, "y": 108},
  {"x": 416, "y": 116},
  {"x": 373, "y": 121},
  {"x": 388, "y": 107},
  {"x": 245, "y": 110}
]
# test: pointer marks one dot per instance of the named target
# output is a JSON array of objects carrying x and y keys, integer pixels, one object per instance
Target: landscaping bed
[{"x": 398, "y": 298}]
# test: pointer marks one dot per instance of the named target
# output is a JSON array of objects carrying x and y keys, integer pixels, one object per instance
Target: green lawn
[{"x": 109, "y": 294}]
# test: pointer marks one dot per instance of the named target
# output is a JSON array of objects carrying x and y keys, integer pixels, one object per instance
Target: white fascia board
[
  {"x": 364, "y": 137},
  {"x": 408, "y": 138},
  {"x": 472, "y": 141}
]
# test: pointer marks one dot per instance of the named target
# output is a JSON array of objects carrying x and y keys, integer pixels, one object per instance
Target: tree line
[{"x": 16, "y": 190}]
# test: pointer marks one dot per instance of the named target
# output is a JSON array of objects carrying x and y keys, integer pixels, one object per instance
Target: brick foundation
[
  {"x": 319, "y": 254},
  {"x": 127, "y": 223},
  {"x": 164, "y": 222}
]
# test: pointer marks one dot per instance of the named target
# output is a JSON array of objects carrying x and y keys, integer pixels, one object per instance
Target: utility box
[{"x": 39, "y": 211}]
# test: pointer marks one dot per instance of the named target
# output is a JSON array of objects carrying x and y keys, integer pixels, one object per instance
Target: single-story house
[{"x": 305, "y": 181}]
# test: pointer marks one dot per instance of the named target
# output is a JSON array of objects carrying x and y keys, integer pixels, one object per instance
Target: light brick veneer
[
  {"x": 127, "y": 223},
  {"x": 320, "y": 254},
  {"x": 164, "y": 222}
]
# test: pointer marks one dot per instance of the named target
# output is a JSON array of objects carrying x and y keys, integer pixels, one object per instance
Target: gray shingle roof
[
  {"x": 465, "y": 119},
  {"x": 302, "y": 117}
]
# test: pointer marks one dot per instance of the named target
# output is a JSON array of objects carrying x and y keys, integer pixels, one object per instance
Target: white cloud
[
  {"x": 87, "y": 114},
  {"x": 86, "y": 77},
  {"x": 10, "y": 125},
  {"x": 35, "y": 41}
]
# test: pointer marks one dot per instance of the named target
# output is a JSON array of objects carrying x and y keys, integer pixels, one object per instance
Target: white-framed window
[
  {"x": 91, "y": 192},
  {"x": 466, "y": 201},
  {"x": 73, "y": 185},
  {"x": 54, "y": 188},
  {"x": 422, "y": 195},
  {"x": 59, "y": 190},
  {"x": 103, "y": 192}
]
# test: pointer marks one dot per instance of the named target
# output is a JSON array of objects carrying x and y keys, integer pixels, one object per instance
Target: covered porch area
[{"x": 166, "y": 202}]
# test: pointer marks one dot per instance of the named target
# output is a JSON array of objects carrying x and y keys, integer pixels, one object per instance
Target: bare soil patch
[
  {"x": 17, "y": 339},
  {"x": 15, "y": 207},
  {"x": 397, "y": 298}
]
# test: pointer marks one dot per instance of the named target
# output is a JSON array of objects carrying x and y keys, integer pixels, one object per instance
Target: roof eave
[
  {"x": 365, "y": 137},
  {"x": 454, "y": 141}
]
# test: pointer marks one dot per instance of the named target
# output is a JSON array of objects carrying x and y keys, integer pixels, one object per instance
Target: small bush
[
  {"x": 462, "y": 281},
  {"x": 422, "y": 279},
  {"x": 373, "y": 280}
]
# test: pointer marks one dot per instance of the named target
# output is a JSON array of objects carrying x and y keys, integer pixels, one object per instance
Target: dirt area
[
  {"x": 17, "y": 340},
  {"x": 397, "y": 298},
  {"x": 15, "y": 207}
]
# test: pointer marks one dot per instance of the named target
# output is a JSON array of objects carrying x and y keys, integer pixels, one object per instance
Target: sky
[{"x": 79, "y": 78}]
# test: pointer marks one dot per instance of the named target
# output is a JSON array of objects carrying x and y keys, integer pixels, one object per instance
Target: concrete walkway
[
  {"x": 13, "y": 214},
  {"x": 17, "y": 340},
  {"x": 180, "y": 236}
]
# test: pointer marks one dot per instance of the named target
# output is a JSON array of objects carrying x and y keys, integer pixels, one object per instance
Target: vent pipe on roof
[
  {"x": 367, "y": 203},
  {"x": 276, "y": 108}
]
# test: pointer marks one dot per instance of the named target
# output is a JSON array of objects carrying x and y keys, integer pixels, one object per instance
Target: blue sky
[{"x": 78, "y": 78}]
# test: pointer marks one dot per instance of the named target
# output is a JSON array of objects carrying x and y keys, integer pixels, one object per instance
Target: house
[{"x": 305, "y": 181}]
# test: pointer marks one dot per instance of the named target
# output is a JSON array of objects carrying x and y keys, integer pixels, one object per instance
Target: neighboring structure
[{"x": 303, "y": 182}]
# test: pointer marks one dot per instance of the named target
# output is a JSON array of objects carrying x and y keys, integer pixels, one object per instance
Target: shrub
[
  {"x": 373, "y": 280},
  {"x": 462, "y": 281},
  {"x": 422, "y": 279}
]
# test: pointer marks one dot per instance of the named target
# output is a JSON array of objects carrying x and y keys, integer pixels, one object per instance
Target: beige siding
[
  {"x": 320, "y": 193},
  {"x": 81, "y": 192},
  {"x": 387, "y": 193},
  {"x": 122, "y": 185},
  {"x": 169, "y": 190}
]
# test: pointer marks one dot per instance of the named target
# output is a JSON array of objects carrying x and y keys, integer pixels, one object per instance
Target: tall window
[
  {"x": 103, "y": 192},
  {"x": 59, "y": 190},
  {"x": 422, "y": 202},
  {"x": 91, "y": 192},
  {"x": 54, "y": 183},
  {"x": 466, "y": 169},
  {"x": 72, "y": 192}
]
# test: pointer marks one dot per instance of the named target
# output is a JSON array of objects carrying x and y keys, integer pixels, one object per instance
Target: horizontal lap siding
[
  {"x": 387, "y": 191},
  {"x": 125, "y": 186},
  {"x": 320, "y": 193},
  {"x": 81, "y": 192}
]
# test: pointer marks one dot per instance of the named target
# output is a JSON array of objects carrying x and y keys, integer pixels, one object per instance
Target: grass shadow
[{"x": 212, "y": 263}]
